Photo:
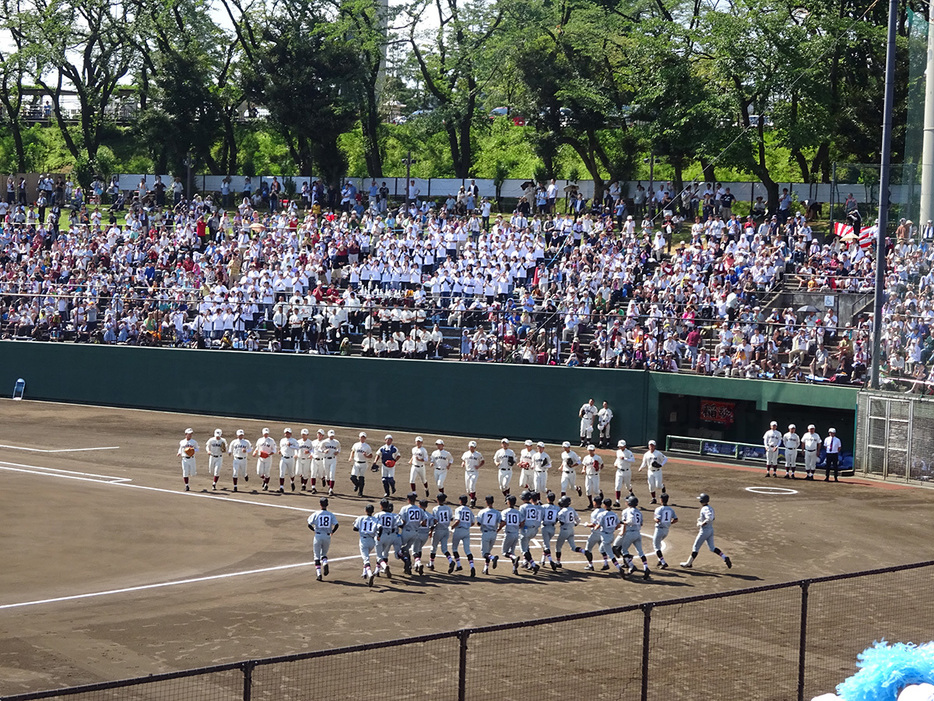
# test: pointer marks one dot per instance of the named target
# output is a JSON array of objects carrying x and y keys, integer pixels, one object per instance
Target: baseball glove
[
  {"x": 569, "y": 462},
  {"x": 656, "y": 464},
  {"x": 390, "y": 463},
  {"x": 511, "y": 460},
  {"x": 524, "y": 465},
  {"x": 189, "y": 451},
  {"x": 263, "y": 454}
]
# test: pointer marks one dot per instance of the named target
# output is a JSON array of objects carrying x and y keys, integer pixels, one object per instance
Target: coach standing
[{"x": 832, "y": 447}]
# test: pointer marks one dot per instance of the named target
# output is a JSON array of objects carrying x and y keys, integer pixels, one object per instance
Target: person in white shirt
[
  {"x": 569, "y": 464},
  {"x": 332, "y": 449},
  {"x": 792, "y": 442},
  {"x": 360, "y": 453},
  {"x": 441, "y": 461},
  {"x": 288, "y": 446},
  {"x": 541, "y": 463},
  {"x": 303, "y": 459},
  {"x": 587, "y": 413},
  {"x": 810, "y": 443},
  {"x": 604, "y": 416},
  {"x": 264, "y": 450},
  {"x": 505, "y": 460},
  {"x": 772, "y": 440},
  {"x": 216, "y": 447},
  {"x": 187, "y": 447},
  {"x": 240, "y": 449},
  {"x": 630, "y": 536},
  {"x": 654, "y": 460},
  {"x": 705, "y": 533},
  {"x": 623, "y": 463},
  {"x": 592, "y": 464},
  {"x": 832, "y": 447},
  {"x": 318, "y": 469},
  {"x": 418, "y": 462},
  {"x": 525, "y": 463},
  {"x": 472, "y": 460}
]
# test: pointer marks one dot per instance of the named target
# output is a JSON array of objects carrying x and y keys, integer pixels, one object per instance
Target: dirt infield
[{"x": 110, "y": 570}]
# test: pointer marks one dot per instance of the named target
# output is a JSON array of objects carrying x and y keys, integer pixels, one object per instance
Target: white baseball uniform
[
  {"x": 624, "y": 462},
  {"x": 419, "y": 461},
  {"x": 441, "y": 461},
  {"x": 525, "y": 461},
  {"x": 472, "y": 460},
  {"x": 771, "y": 439},
  {"x": 239, "y": 449},
  {"x": 792, "y": 442},
  {"x": 318, "y": 469},
  {"x": 604, "y": 416},
  {"x": 303, "y": 460},
  {"x": 287, "y": 449},
  {"x": 331, "y": 448},
  {"x": 570, "y": 461},
  {"x": 811, "y": 443},
  {"x": 587, "y": 414},
  {"x": 592, "y": 466},
  {"x": 189, "y": 469},
  {"x": 649, "y": 461},
  {"x": 359, "y": 454},
  {"x": 541, "y": 463},
  {"x": 216, "y": 448},
  {"x": 264, "y": 445},
  {"x": 502, "y": 458}
]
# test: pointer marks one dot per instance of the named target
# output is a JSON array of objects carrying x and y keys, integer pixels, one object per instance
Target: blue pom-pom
[{"x": 887, "y": 669}]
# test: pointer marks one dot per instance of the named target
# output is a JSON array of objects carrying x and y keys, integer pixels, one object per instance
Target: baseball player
[
  {"x": 624, "y": 462},
  {"x": 303, "y": 459},
  {"x": 460, "y": 530},
  {"x": 505, "y": 460},
  {"x": 216, "y": 447},
  {"x": 264, "y": 450},
  {"x": 239, "y": 449},
  {"x": 569, "y": 464},
  {"x": 810, "y": 443},
  {"x": 187, "y": 447},
  {"x": 525, "y": 462},
  {"x": 654, "y": 460},
  {"x": 772, "y": 439},
  {"x": 318, "y": 470},
  {"x": 595, "y": 539},
  {"x": 631, "y": 535},
  {"x": 605, "y": 526},
  {"x": 418, "y": 462},
  {"x": 441, "y": 531},
  {"x": 541, "y": 463},
  {"x": 549, "y": 523},
  {"x": 441, "y": 461},
  {"x": 664, "y": 518},
  {"x": 323, "y": 523},
  {"x": 288, "y": 446},
  {"x": 388, "y": 457},
  {"x": 568, "y": 519},
  {"x": 412, "y": 516},
  {"x": 360, "y": 453},
  {"x": 705, "y": 533},
  {"x": 792, "y": 442},
  {"x": 531, "y": 520},
  {"x": 387, "y": 537},
  {"x": 331, "y": 448},
  {"x": 592, "y": 465},
  {"x": 472, "y": 460},
  {"x": 510, "y": 525},
  {"x": 421, "y": 536},
  {"x": 489, "y": 520},
  {"x": 367, "y": 526},
  {"x": 604, "y": 416},
  {"x": 587, "y": 414},
  {"x": 832, "y": 447}
]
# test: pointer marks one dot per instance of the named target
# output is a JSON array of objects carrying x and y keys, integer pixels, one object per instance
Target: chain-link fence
[
  {"x": 895, "y": 436},
  {"x": 777, "y": 642}
]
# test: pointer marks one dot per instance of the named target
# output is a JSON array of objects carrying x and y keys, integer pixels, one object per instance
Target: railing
[
  {"x": 744, "y": 452},
  {"x": 800, "y": 639}
]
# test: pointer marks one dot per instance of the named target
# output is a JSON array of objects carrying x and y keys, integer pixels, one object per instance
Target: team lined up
[
  {"x": 406, "y": 534},
  {"x": 315, "y": 461},
  {"x": 810, "y": 443}
]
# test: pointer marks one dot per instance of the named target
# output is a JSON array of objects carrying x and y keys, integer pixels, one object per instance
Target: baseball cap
[
  {"x": 439, "y": 442},
  {"x": 304, "y": 431},
  {"x": 320, "y": 431},
  {"x": 362, "y": 435},
  {"x": 652, "y": 442},
  {"x": 188, "y": 430},
  {"x": 472, "y": 444},
  {"x": 810, "y": 426},
  {"x": 540, "y": 444},
  {"x": 528, "y": 442},
  {"x": 566, "y": 444},
  {"x": 331, "y": 433},
  {"x": 621, "y": 444},
  {"x": 791, "y": 426},
  {"x": 240, "y": 432},
  {"x": 505, "y": 440},
  {"x": 419, "y": 439},
  {"x": 591, "y": 447},
  {"x": 831, "y": 430},
  {"x": 286, "y": 430},
  {"x": 218, "y": 432},
  {"x": 774, "y": 423},
  {"x": 388, "y": 437}
]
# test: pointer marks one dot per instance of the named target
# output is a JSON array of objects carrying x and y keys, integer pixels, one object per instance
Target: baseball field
[{"x": 110, "y": 570}]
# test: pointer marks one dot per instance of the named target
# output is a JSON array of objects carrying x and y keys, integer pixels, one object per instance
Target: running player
[
  {"x": 389, "y": 455},
  {"x": 367, "y": 526},
  {"x": 240, "y": 449},
  {"x": 216, "y": 447},
  {"x": 489, "y": 520},
  {"x": 360, "y": 453},
  {"x": 549, "y": 523},
  {"x": 323, "y": 523},
  {"x": 531, "y": 521},
  {"x": 705, "y": 533},
  {"x": 505, "y": 460},
  {"x": 303, "y": 460},
  {"x": 387, "y": 537},
  {"x": 595, "y": 539},
  {"x": 569, "y": 464},
  {"x": 654, "y": 460},
  {"x": 187, "y": 447},
  {"x": 664, "y": 518},
  {"x": 541, "y": 463},
  {"x": 412, "y": 517},
  {"x": 332, "y": 449},
  {"x": 288, "y": 446},
  {"x": 460, "y": 530},
  {"x": 318, "y": 470},
  {"x": 631, "y": 536},
  {"x": 423, "y": 532},
  {"x": 568, "y": 519},
  {"x": 510, "y": 525},
  {"x": 418, "y": 462},
  {"x": 592, "y": 465},
  {"x": 525, "y": 462},
  {"x": 441, "y": 461},
  {"x": 472, "y": 461},
  {"x": 441, "y": 531}
]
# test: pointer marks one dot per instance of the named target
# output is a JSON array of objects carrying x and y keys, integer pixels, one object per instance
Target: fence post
[
  {"x": 462, "y": 635},
  {"x": 803, "y": 639},
  {"x": 646, "y": 629},
  {"x": 248, "y": 679}
]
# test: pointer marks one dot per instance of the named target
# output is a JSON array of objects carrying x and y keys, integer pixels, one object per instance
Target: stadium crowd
[{"x": 605, "y": 286}]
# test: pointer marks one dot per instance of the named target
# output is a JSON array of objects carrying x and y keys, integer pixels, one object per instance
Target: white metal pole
[{"x": 927, "y": 151}]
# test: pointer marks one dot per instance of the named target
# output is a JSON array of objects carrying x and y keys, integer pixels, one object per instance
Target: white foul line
[
  {"x": 159, "y": 585},
  {"x": 58, "y": 450},
  {"x": 67, "y": 474}
]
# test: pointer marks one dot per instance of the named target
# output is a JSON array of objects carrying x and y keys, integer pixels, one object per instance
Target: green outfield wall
[{"x": 445, "y": 397}]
